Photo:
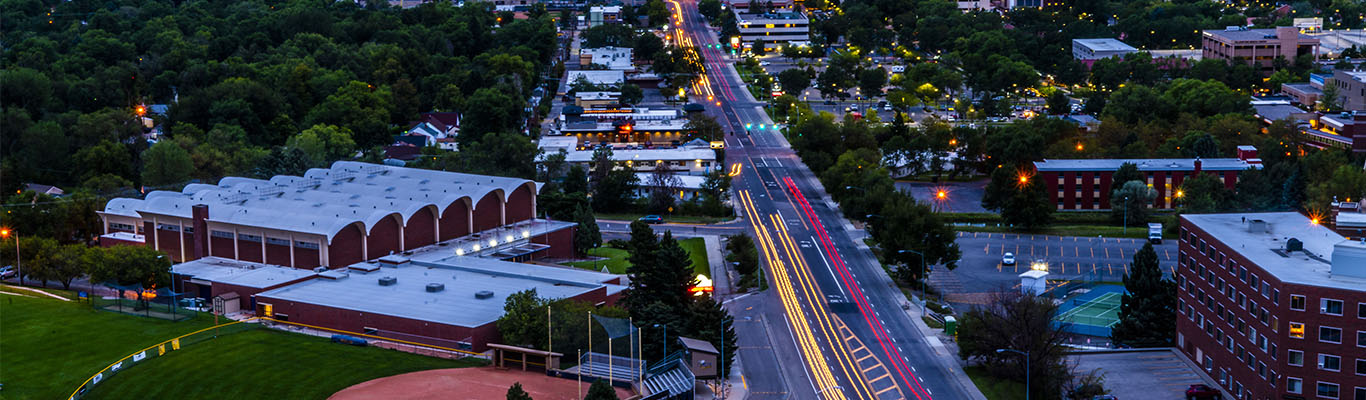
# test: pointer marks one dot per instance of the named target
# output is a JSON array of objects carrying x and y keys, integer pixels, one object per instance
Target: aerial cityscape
[{"x": 683, "y": 199}]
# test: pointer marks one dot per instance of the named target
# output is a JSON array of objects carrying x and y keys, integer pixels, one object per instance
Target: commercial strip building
[
  {"x": 1258, "y": 47},
  {"x": 1084, "y": 184},
  {"x": 330, "y": 217},
  {"x": 694, "y": 158},
  {"x": 1273, "y": 305},
  {"x": 613, "y": 58},
  {"x": 622, "y": 125},
  {"x": 775, "y": 29}
]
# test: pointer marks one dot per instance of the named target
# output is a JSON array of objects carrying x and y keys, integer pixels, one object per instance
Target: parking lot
[{"x": 1068, "y": 257}]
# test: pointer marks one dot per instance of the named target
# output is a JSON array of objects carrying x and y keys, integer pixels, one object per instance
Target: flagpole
[
  {"x": 590, "y": 341},
  {"x": 549, "y": 336},
  {"x": 579, "y": 376}
]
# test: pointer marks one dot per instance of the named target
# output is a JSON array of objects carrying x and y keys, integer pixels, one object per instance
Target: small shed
[
  {"x": 703, "y": 360},
  {"x": 227, "y": 303},
  {"x": 1034, "y": 282}
]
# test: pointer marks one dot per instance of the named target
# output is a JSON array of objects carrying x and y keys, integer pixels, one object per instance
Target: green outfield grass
[
  {"x": 263, "y": 364},
  {"x": 617, "y": 264},
  {"x": 48, "y": 346},
  {"x": 995, "y": 388}
]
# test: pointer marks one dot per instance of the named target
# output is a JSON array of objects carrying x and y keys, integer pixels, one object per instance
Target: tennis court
[{"x": 1092, "y": 313}]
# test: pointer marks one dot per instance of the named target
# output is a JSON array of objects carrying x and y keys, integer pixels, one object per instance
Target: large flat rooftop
[
  {"x": 1150, "y": 164},
  {"x": 239, "y": 273},
  {"x": 463, "y": 277},
  {"x": 1265, "y": 247},
  {"x": 1104, "y": 44}
]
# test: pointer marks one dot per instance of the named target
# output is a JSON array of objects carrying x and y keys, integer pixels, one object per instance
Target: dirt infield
[{"x": 465, "y": 383}]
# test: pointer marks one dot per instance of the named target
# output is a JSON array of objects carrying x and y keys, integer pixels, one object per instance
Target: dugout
[{"x": 528, "y": 359}]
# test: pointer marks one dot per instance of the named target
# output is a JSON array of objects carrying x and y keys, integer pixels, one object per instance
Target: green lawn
[
  {"x": 48, "y": 346},
  {"x": 668, "y": 219},
  {"x": 993, "y": 388},
  {"x": 617, "y": 264},
  {"x": 264, "y": 364}
]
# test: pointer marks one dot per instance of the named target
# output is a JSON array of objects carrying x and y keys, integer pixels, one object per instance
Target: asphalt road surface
[
  {"x": 1068, "y": 257},
  {"x": 794, "y": 343}
]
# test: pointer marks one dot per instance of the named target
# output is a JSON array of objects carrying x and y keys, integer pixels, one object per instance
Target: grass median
[{"x": 615, "y": 259}]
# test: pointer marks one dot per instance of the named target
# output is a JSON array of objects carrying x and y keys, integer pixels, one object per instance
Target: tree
[
  {"x": 515, "y": 392},
  {"x": 657, "y": 12},
  {"x": 631, "y": 94},
  {"x": 130, "y": 266},
  {"x": 68, "y": 263},
  {"x": 794, "y": 80},
  {"x": 323, "y": 143},
  {"x": 1204, "y": 193},
  {"x": 710, "y": 9},
  {"x": 1329, "y": 100},
  {"x": 715, "y": 193},
  {"x": 1058, "y": 103},
  {"x": 1345, "y": 182},
  {"x": 758, "y": 48},
  {"x": 1147, "y": 310},
  {"x": 1019, "y": 197},
  {"x": 871, "y": 81},
  {"x": 906, "y": 224},
  {"x": 705, "y": 127},
  {"x": 499, "y": 111},
  {"x": 710, "y": 322},
  {"x": 281, "y": 161},
  {"x": 586, "y": 235},
  {"x": 663, "y": 186},
  {"x": 576, "y": 180},
  {"x": 601, "y": 390},
  {"x": 742, "y": 253},
  {"x": 166, "y": 163},
  {"x": 523, "y": 322},
  {"x": 1129, "y": 203},
  {"x": 1023, "y": 323},
  {"x": 1127, "y": 172}
]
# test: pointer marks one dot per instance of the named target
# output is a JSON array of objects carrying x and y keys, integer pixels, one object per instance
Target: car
[
  {"x": 652, "y": 219},
  {"x": 829, "y": 102},
  {"x": 854, "y": 107},
  {"x": 1008, "y": 259},
  {"x": 7, "y": 272},
  {"x": 886, "y": 107},
  {"x": 1202, "y": 391},
  {"x": 764, "y": 63}
]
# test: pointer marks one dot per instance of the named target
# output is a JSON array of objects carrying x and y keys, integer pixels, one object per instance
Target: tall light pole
[
  {"x": 665, "y": 342},
  {"x": 1026, "y": 357},
  {"x": 1125, "y": 230},
  {"x": 923, "y": 277},
  {"x": 19, "y": 264}
]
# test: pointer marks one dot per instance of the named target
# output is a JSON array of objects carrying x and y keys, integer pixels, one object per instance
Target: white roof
[
  {"x": 1260, "y": 247},
  {"x": 690, "y": 182},
  {"x": 1104, "y": 44},
  {"x": 456, "y": 304},
  {"x": 240, "y": 273},
  {"x": 1151, "y": 164},
  {"x": 609, "y": 77},
  {"x": 324, "y": 200},
  {"x": 674, "y": 154}
]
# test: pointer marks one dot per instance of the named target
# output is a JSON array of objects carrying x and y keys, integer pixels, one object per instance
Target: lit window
[{"x": 1297, "y": 330}]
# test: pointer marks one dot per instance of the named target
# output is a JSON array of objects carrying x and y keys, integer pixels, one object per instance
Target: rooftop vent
[
  {"x": 1256, "y": 226},
  {"x": 1294, "y": 245},
  {"x": 388, "y": 281},
  {"x": 483, "y": 294},
  {"x": 435, "y": 287}
]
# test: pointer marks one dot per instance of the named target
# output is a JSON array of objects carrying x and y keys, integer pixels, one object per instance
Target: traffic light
[{"x": 747, "y": 126}]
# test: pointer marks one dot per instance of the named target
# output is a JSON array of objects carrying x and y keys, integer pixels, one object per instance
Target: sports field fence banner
[{"x": 165, "y": 348}]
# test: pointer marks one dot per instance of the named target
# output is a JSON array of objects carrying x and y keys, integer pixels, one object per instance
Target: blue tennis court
[{"x": 1091, "y": 313}]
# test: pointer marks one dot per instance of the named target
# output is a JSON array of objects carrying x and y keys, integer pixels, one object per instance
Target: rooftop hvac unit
[
  {"x": 1294, "y": 245},
  {"x": 483, "y": 294},
  {"x": 435, "y": 287},
  {"x": 320, "y": 269},
  {"x": 388, "y": 281}
]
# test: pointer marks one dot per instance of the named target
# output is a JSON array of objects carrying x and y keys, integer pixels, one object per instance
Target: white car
[{"x": 1008, "y": 259}]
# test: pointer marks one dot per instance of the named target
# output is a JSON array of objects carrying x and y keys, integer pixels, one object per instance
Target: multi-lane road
[{"x": 832, "y": 326}]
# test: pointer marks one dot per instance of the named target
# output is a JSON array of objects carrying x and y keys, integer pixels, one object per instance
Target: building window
[
  {"x": 1296, "y": 330},
  {"x": 306, "y": 245},
  {"x": 1328, "y": 390},
  {"x": 278, "y": 242},
  {"x": 249, "y": 238},
  {"x": 165, "y": 227},
  {"x": 1360, "y": 394},
  {"x": 1294, "y": 358},
  {"x": 1297, "y": 302},
  {"x": 1361, "y": 310},
  {"x": 1330, "y": 306},
  {"x": 1330, "y": 334},
  {"x": 116, "y": 225},
  {"x": 1361, "y": 366},
  {"x": 1330, "y": 362},
  {"x": 1292, "y": 385},
  {"x": 221, "y": 234},
  {"x": 1361, "y": 338}
]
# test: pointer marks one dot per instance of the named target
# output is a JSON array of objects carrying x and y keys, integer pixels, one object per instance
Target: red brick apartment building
[
  {"x": 1084, "y": 184},
  {"x": 1273, "y": 305}
]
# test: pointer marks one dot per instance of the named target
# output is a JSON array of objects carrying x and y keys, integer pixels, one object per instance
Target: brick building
[
  {"x": 1273, "y": 305},
  {"x": 330, "y": 217},
  {"x": 1084, "y": 184},
  {"x": 1258, "y": 47}
]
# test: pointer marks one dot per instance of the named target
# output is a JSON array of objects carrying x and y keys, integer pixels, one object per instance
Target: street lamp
[
  {"x": 924, "y": 276},
  {"x": 1026, "y": 356},
  {"x": 665, "y": 342},
  {"x": 19, "y": 264}
]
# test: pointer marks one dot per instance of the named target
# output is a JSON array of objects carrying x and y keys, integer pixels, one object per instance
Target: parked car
[
  {"x": 887, "y": 107},
  {"x": 1202, "y": 391},
  {"x": 652, "y": 219},
  {"x": 1008, "y": 259},
  {"x": 7, "y": 272}
]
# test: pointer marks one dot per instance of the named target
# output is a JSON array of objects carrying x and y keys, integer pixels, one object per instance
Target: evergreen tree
[
  {"x": 586, "y": 235},
  {"x": 674, "y": 273},
  {"x": 1126, "y": 172},
  {"x": 576, "y": 180},
  {"x": 1147, "y": 312},
  {"x": 711, "y": 323},
  {"x": 516, "y": 393},
  {"x": 601, "y": 390},
  {"x": 642, "y": 248}
]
